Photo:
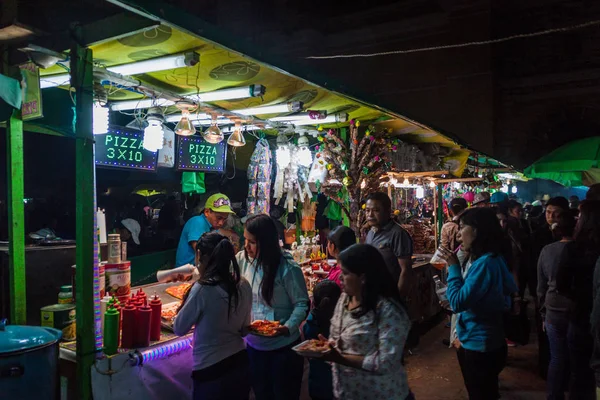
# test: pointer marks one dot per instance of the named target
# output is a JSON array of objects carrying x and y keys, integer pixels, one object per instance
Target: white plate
[{"x": 309, "y": 353}]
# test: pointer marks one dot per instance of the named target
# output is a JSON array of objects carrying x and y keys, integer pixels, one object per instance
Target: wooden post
[
  {"x": 82, "y": 81},
  {"x": 16, "y": 219}
]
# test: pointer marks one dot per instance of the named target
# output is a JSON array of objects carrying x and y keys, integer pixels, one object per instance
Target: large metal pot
[{"x": 28, "y": 362}]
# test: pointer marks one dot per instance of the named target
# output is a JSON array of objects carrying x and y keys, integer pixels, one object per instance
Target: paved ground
[{"x": 434, "y": 374}]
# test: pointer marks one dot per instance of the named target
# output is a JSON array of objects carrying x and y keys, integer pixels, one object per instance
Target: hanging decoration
[
  {"x": 352, "y": 171},
  {"x": 291, "y": 180},
  {"x": 259, "y": 179}
]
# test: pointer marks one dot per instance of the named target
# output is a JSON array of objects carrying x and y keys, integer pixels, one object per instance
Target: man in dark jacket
[{"x": 541, "y": 237}]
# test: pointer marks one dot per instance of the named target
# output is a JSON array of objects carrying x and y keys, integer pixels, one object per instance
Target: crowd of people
[{"x": 495, "y": 255}]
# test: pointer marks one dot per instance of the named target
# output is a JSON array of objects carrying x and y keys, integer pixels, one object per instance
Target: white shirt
[{"x": 216, "y": 335}]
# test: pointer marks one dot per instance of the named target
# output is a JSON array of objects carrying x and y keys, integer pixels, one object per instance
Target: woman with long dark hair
[
  {"x": 480, "y": 299},
  {"x": 219, "y": 307},
  {"x": 278, "y": 294},
  {"x": 368, "y": 330}
]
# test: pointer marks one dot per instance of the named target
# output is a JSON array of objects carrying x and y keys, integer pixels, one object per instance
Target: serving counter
[{"x": 160, "y": 371}]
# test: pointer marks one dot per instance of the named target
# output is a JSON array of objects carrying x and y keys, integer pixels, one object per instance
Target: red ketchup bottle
[
  {"x": 142, "y": 332},
  {"x": 129, "y": 325},
  {"x": 156, "y": 306},
  {"x": 141, "y": 295}
]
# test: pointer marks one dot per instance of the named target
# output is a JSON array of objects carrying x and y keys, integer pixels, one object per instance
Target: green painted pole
[
  {"x": 82, "y": 81},
  {"x": 16, "y": 219},
  {"x": 439, "y": 211}
]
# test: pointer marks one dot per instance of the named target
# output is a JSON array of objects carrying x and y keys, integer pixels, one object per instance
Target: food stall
[{"x": 196, "y": 97}]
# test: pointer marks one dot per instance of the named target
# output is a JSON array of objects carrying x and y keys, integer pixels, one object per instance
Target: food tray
[{"x": 309, "y": 353}]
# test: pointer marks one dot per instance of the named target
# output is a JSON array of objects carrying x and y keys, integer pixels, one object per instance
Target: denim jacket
[{"x": 289, "y": 306}]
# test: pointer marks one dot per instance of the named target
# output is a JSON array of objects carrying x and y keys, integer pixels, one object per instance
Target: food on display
[
  {"x": 178, "y": 291},
  {"x": 169, "y": 311},
  {"x": 264, "y": 327}
]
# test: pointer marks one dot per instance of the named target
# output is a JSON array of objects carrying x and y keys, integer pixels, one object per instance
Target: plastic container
[
  {"x": 440, "y": 289},
  {"x": 123, "y": 251},
  {"x": 129, "y": 324},
  {"x": 142, "y": 329},
  {"x": 65, "y": 296},
  {"x": 155, "y": 322},
  {"x": 114, "y": 248},
  {"x": 111, "y": 331},
  {"x": 118, "y": 280}
]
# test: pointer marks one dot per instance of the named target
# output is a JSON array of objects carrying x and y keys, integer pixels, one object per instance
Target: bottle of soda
[{"x": 440, "y": 288}]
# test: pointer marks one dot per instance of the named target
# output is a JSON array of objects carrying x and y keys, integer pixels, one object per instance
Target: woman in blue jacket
[
  {"x": 278, "y": 294},
  {"x": 480, "y": 299}
]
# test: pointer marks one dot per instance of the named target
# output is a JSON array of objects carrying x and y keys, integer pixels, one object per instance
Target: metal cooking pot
[{"x": 29, "y": 362}]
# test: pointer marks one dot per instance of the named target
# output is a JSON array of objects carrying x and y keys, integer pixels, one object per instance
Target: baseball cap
[
  {"x": 499, "y": 197},
  {"x": 483, "y": 197},
  {"x": 133, "y": 227},
  {"x": 220, "y": 203}
]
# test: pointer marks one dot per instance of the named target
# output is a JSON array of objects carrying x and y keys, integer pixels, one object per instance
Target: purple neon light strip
[{"x": 165, "y": 350}]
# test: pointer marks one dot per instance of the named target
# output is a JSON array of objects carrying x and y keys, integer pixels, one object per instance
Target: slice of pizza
[{"x": 178, "y": 291}]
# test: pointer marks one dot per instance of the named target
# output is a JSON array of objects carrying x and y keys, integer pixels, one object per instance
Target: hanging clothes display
[
  {"x": 259, "y": 179},
  {"x": 292, "y": 181}
]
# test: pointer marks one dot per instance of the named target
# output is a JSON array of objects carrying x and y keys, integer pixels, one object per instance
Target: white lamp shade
[{"x": 237, "y": 139}]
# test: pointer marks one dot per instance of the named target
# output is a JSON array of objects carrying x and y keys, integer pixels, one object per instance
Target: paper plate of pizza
[
  {"x": 312, "y": 348},
  {"x": 178, "y": 291},
  {"x": 264, "y": 328}
]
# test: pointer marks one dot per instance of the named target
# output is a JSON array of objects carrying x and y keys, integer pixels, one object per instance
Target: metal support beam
[
  {"x": 16, "y": 219},
  {"x": 439, "y": 211},
  {"x": 82, "y": 80}
]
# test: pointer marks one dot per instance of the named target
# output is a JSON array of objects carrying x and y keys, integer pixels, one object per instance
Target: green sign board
[
  {"x": 124, "y": 149},
  {"x": 196, "y": 154}
]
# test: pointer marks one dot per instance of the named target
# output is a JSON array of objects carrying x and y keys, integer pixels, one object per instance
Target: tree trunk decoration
[{"x": 354, "y": 171}]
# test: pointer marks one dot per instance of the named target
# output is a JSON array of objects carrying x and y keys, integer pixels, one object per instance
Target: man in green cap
[{"x": 215, "y": 214}]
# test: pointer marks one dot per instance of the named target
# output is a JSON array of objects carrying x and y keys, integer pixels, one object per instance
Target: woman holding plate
[
  {"x": 278, "y": 294},
  {"x": 368, "y": 330}
]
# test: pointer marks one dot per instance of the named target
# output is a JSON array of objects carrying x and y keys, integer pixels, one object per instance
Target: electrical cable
[{"x": 461, "y": 45}]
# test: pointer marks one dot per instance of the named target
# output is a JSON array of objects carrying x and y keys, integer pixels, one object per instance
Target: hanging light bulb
[
  {"x": 431, "y": 184},
  {"x": 406, "y": 182},
  {"x": 236, "y": 139},
  {"x": 304, "y": 154},
  {"x": 213, "y": 134},
  {"x": 185, "y": 127},
  {"x": 153, "y": 134},
  {"x": 100, "y": 119},
  {"x": 282, "y": 154},
  {"x": 363, "y": 184}
]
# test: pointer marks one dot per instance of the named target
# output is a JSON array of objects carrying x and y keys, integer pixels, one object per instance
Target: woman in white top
[
  {"x": 219, "y": 305},
  {"x": 368, "y": 330}
]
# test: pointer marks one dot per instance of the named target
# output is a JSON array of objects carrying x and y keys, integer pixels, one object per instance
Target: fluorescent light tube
[
  {"x": 152, "y": 65},
  {"x": 230, "y": 129},
  {"x": 329, "y": 120},
  {"x": 192, "y": 117},
  {"x": 302, "y": 116},
  {"x": 141, "y": 103},
  {"x": 220, "y": 121},
  {"x": 228, "y": 94},
  {"x": 49, "y": 81},
  {"x": 275, "y": 109}
]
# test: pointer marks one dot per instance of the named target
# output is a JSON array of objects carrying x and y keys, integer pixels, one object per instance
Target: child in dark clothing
[{"x": 325, "y": 296}]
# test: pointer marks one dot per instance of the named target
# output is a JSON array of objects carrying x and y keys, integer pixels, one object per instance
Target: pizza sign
[
  {"x": 124, "y": 149},
  {"x": 196, "y": 154}
]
